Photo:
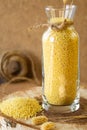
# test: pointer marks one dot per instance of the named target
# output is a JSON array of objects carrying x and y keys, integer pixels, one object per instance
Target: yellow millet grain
[
  {"x": 58, "y": 20},
  {"x": 20, "y": 107},
  {"x": 60, "y": 51},
  {"x": 48, "y": 126},
  {"x": 38, "y": 120}
]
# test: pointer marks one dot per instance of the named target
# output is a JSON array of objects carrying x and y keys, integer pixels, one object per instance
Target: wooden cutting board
[{"x": 66, "y": 122}]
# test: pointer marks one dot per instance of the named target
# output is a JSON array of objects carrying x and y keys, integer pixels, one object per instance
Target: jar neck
[
  {"x": 60, "y": 24},
  {"x": 66, "y": 13}
]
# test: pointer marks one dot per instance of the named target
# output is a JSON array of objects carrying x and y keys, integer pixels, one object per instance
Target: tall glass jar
[{"x": 60, "y": 72}]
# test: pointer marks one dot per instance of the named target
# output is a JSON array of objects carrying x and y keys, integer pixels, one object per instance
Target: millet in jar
[{"x": 60, "y": 51}]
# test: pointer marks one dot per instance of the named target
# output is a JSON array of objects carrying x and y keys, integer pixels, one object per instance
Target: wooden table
[{"x": 67, "y": 122}]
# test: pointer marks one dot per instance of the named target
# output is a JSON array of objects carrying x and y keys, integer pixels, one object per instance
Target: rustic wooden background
[{"x": 17, "y": 15}]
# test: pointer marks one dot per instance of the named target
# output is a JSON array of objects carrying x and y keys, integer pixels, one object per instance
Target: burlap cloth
[{"x": 17, "y": 15}]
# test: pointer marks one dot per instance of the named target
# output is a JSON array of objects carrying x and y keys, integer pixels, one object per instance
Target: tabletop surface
[{"x": 71, "y": 121}]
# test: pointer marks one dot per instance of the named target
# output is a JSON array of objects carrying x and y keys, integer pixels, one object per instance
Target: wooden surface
[{"x": 61, "y": 124}]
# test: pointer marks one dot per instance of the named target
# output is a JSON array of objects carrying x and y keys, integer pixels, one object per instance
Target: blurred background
[{"x": 16, "y": 16}]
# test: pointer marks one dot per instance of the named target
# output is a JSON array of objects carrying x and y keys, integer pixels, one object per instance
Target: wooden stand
[{"x": 70, "y": 121}]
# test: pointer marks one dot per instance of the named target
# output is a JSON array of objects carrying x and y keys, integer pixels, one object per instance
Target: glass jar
[{"x": 60, "y": 72}]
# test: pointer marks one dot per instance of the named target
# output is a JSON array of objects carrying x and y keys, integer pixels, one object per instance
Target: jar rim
[{"x": 48, "y": 8}]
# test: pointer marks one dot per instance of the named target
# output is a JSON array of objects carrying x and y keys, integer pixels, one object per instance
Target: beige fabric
[{"x": 17, "y": 15}]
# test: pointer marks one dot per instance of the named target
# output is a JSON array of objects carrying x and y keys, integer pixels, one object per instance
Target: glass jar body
[{"x": 60, "y": 69}]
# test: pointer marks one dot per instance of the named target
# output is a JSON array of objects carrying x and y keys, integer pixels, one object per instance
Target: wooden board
[{"x": 61, "y": 124}]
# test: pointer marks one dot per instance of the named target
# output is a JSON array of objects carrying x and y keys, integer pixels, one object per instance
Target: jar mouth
[
  {"x": 67, "y": 12},
  {"x": 49, "y": 8}
]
